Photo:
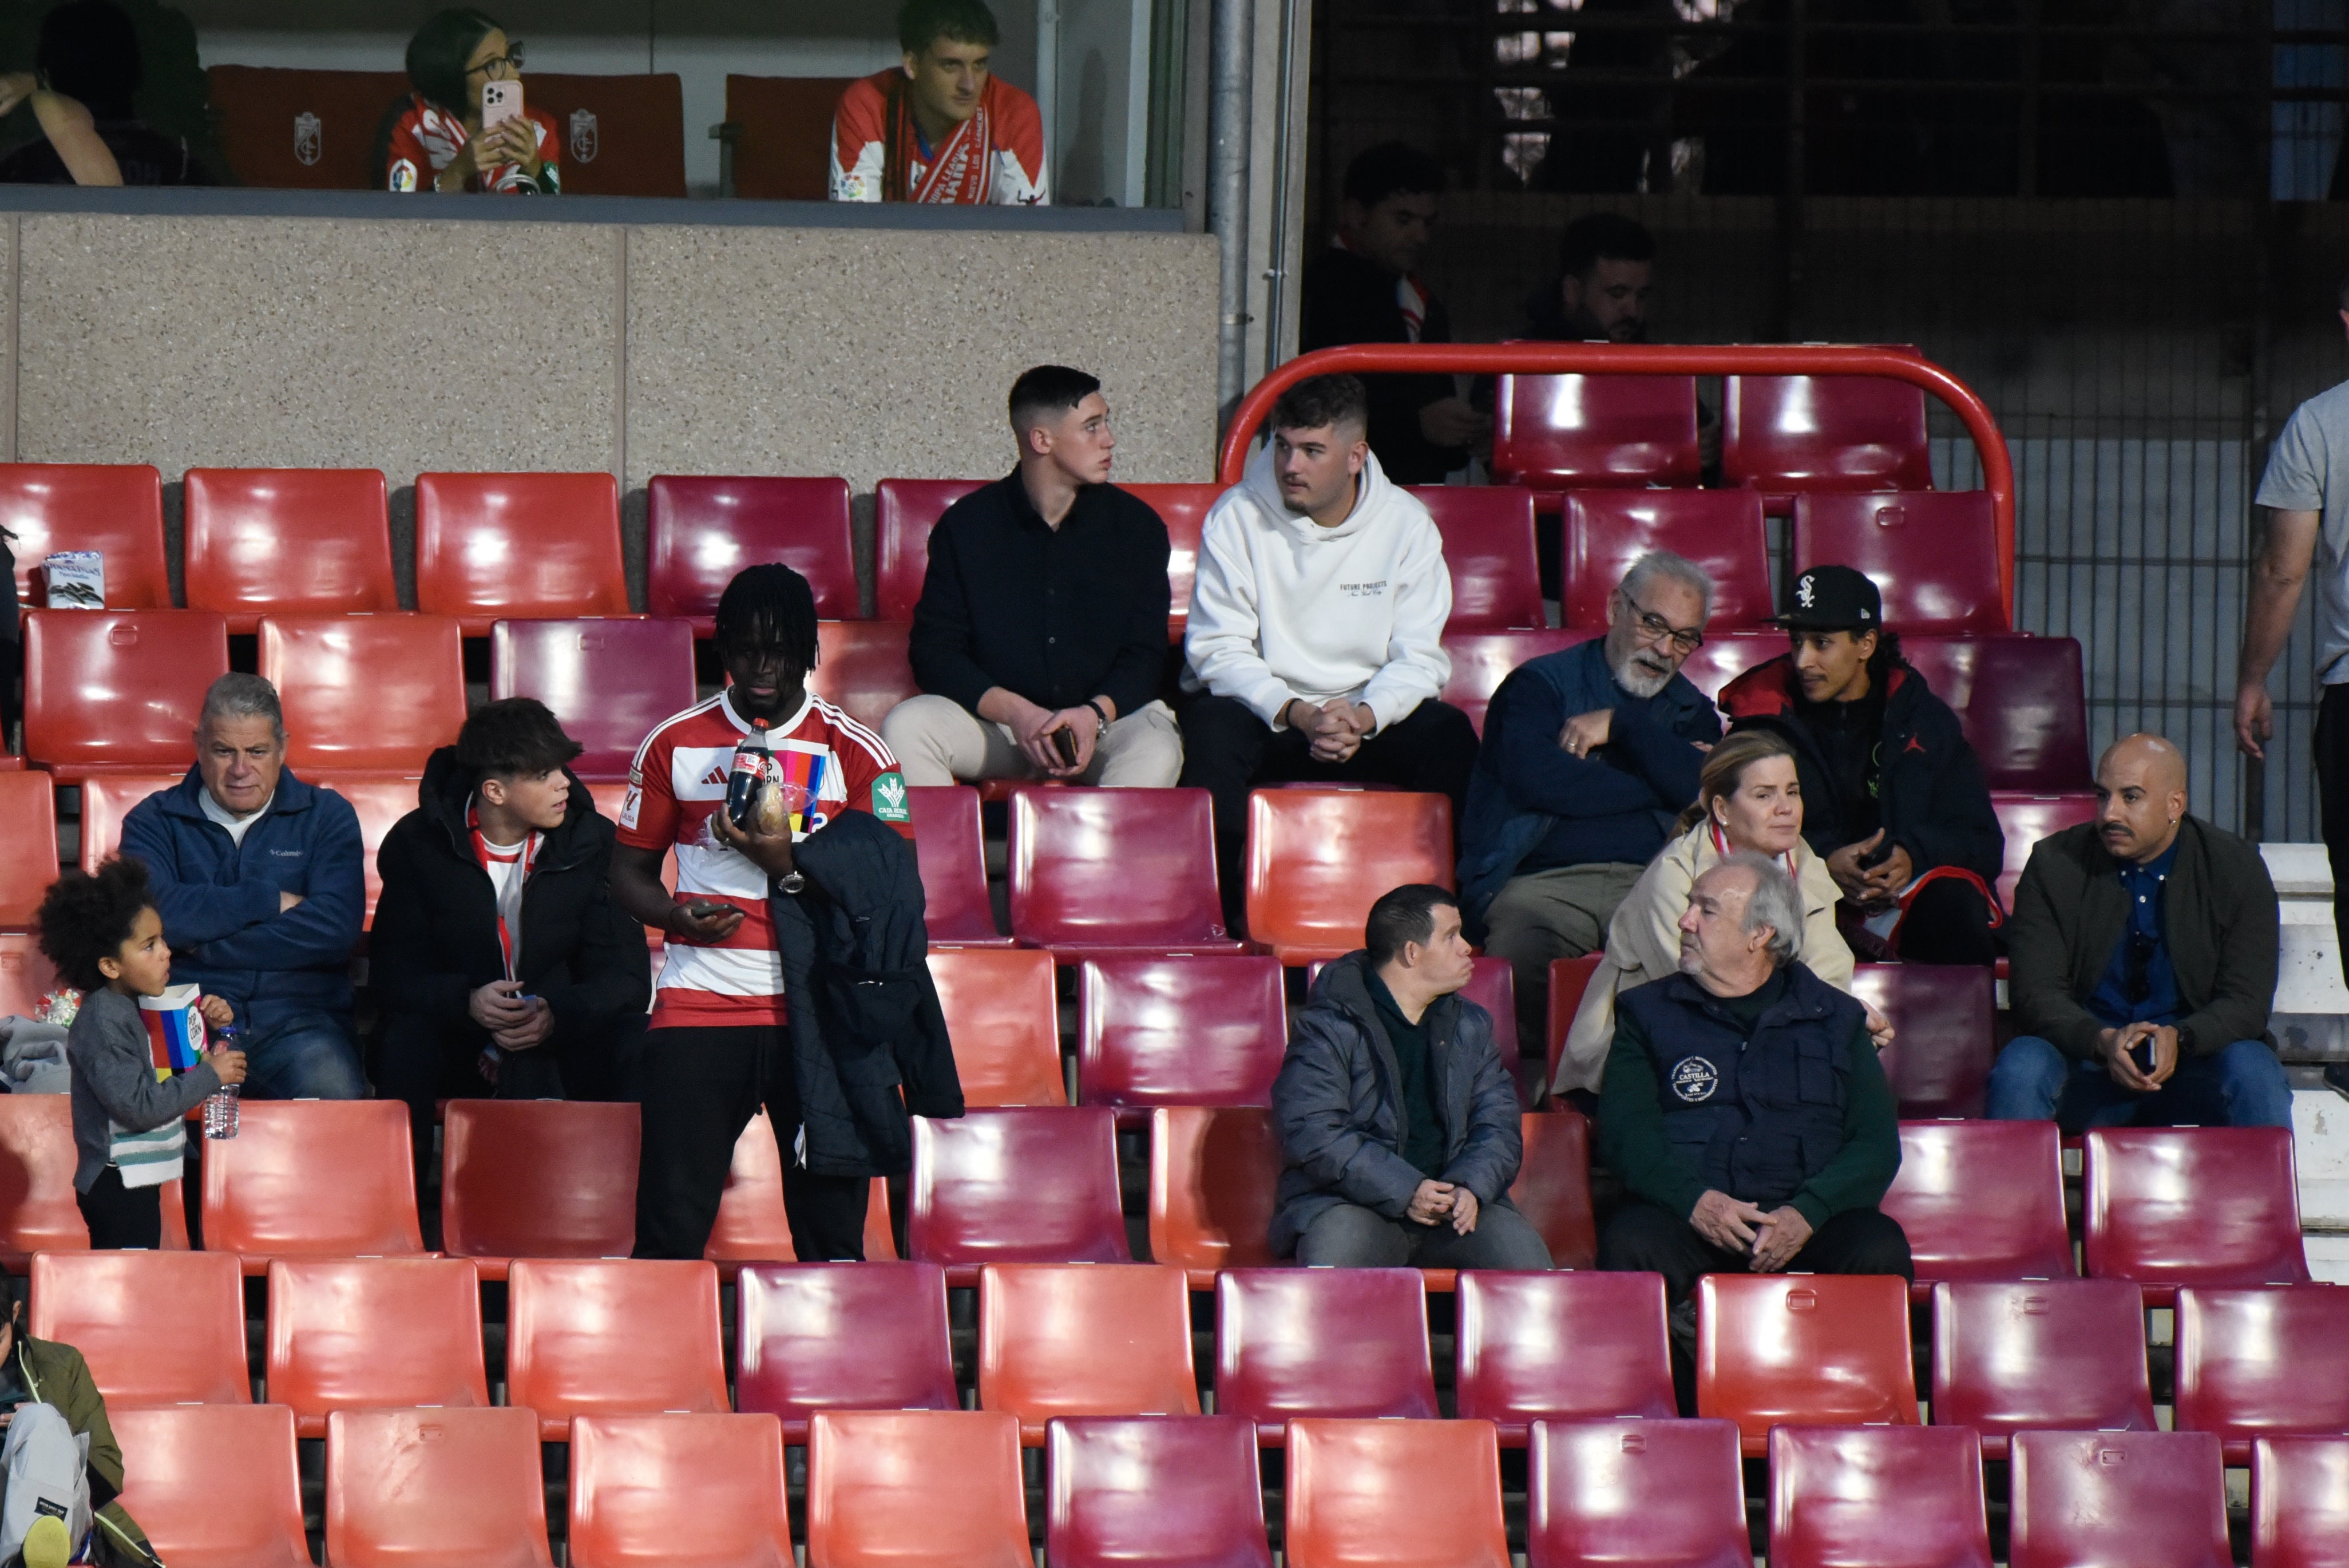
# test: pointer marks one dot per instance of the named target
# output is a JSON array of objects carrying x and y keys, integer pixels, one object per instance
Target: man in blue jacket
[{"x": 259, "y": 881}]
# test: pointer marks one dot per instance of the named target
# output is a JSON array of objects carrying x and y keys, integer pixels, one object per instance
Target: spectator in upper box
[
  {"x": 497, "y": 959},
  {"x": 87, "y": 71},
  {"x": 1314, "y": 645},
  {"x": 1042, "y": 620},
  {"x": 1892, "y": 794},
  {"x": 261, "y": 882},
  {"x": 2143, "y": 962},
  {"x": 435, "y": 140},
  {"x": 1362, "y": 289},
  {"x": 943, "y": 127},
  {"x": 1589, "y": 755},
  {"x": 1606, "y": 274}
]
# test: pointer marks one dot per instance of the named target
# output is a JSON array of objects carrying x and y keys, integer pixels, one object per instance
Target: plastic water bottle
[{"x": 220, "y": 1106}]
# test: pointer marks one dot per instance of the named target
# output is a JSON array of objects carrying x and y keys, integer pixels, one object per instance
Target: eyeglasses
[
  {"x": 1654, "y": 627},
  {"x": 510, "y": 60}
]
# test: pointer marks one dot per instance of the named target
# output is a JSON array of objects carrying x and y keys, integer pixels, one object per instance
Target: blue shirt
[{"x": 2146, "y": 941}]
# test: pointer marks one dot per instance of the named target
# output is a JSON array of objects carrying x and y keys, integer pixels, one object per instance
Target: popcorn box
[
  {"x": 175, "y": 1030},
  {"x": 75, "y": 579}
]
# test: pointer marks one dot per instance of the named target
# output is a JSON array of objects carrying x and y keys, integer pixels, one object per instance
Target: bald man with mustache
[{"x": 2142, "y": 962}]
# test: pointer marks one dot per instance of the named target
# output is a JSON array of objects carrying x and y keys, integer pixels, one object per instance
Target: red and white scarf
[{"x": 521, "y": 858}]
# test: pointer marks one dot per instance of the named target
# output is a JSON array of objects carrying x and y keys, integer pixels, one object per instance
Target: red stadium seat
[
  {"x": 1488, "y": 548},
  {"x": 1788, "y": 433},
  {"x": 25, "y": 977},
  {"x": 351, "y": 1334},
  {"x": 1101, "y": 872},
  {"x": 1212, "y": 1175},
  {"x": 1719, "y": 530},
  {"x": 751, "y": 1226},
  {"x": 1553, "y": 1186},
  {"x": 1321, "y": 1342},
  {"x": 538, "y": 1179},
  {"x": 1565, "y": 433},
  {"x": 288, "y": 541},
  {"x": 888, "y": 1489},
  {"x": 1939, "y": 1061},
  {"x": 1811, "y": 1350},
  {"x": 612, "y": 1336},
  {"x": 1189, "y": 1030},
  {"x": 1512, "y": 1329},
  {"x": 37, "y": 1211},
  {"x": 1481, "y": 660},
  {"x": 1184, "y": 509},
  {"x": 625, "y": 131},
  {"x": 1028, "y": 1185},
  {"x": 213, "y": 1486},
  {"x": 2271, "y": 1361},
  {"x": 28, "y": 844},
  {"x": 2150, "y": 1499},
  {"x": 2025, "y": 819},
  {"x": 609, "y": 681},
  {"x": 376, "y": 693},
  {"x": 953, "y": 855},
  {"x": 1004, "y": 1022},
  {"x": 863, "y": 668},
  {"x": 1130, "y": 1492},
  {"x": 2166, "y": 1206},
  {"x": 2058, "y": 1355},
  {"x": 1893, "y": 1497},
  {"x": 842, "y": 1336},
  {"x": 659, "y": 1490},
  {"x": 114, "y": 510},
  {"x": 904, "y": 512},
  {"x": 1636, "y": 1494},
  {"x": 782, "y": 144},
  {"x": 1318, "y": 860},
  {"x": 1982, "y": 1201},
  {"x": 1726, "y": 655},
  {"x": 2299, "y": 1502},
  {"x": 518, "y": 546},
  {"x": 380, "y": 800},
  {"x": 1397, "y": 1494},
  {"x": 117, "y": 690},
  {"x": 1492, "y": 986},
  {"x": 699, "y": 532},
  {"x": 1079, "y": 1339},
  {"x": 315, "y": 1179},
  {"x": 1569, "y": 978},
  {"x": 2021, "y": 702},
  {"x": 156, "y": 1328},
  {"x": 1933, "y": 555},
  {"x": 435, "y": 1488},
  {"x": 105, "y": 799}
]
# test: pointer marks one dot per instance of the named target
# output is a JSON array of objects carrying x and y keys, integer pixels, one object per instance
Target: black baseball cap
[{"x": 1833, "y": 598}]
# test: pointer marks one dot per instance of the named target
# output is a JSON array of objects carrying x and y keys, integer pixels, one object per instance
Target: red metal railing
[{"x": 1653, "y": 359}]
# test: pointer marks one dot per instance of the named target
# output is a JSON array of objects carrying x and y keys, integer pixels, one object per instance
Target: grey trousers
[
  {"x": 1555, "y": 914},
  {"x": 1352, "y": 1236}
]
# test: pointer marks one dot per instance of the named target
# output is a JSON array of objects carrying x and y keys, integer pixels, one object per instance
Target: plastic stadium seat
[
  {"x": 699, "y": 532},
  {"x": 288, "y": 541},
  {"x": 1492, "y": 986},
  {"x": 1558, "y": 432},
  {"x": 435, "y": 1488},
  {"x": 1184, "y": 509},
  {"x": 1514, "y": 1330},
  {"x": 320, "y": 1178},
  {"x": 1892, "y": 1497},
  {"x": 2166, "y": 1206},
  {"x": 28, "y": 844},
  {"x": 157, "y": 1328},
  {"x": 1095, "y": 872},
  {"x": 118, "y": 688},
  {"x": 2299, "y": 1502},
  {"x": 609, "y": 681},
  {"x": 1318, "y": 860},
  {"x": 1553, "y": 1186},
  {"x": 260, "y": 119},
  {"x": 863, "y": 668},
  {"x": 376, "y": 693},
  {"x": 1131, "y": 1491},
  {"x": 538, "y": 1179},
  {"x": 842, "y": 1336},
  {"x": 952, "y": 852},
  {"x": 1488, "y": 548},
  {"x": 37, "y": 1211},
  {"x": 106, "y": 799},
  {"x": 625, "y": 133},
  {"x": 1569, "y": 978},
  {"x": 1213, "y": 1171},
  {"x": 380, "y": 799},
  {"x": 751, "y": 1226},
  {"x": 1933, "y": 555},
  {"x": 904, "y": 512},
  {"x": 2025, "y": 819},
  {"x": 2150, "y": 1499},
  {"x": 612, "y": 1336},
  {"x": 1321, "y": 1342},
  {"x": 1982, "y": 1201},
  {"x": 2021, "y": 702},
  {"x": 1398, "y": 1494},
  {"x": 890, "y": 1488},
  {"x": 783, "y": 135},
  {"x": 1813, "y": 1350},
  {"x": 1003, "y": 1020},
  {"x": 1788, "y": 433},
  {"x": 1719, "y": 530},
  {"x": 1029, "y": 1185},
  {"x": 631, "y": 1477},
  {"x": 25, "y": 976},
  {"x": 117, "y": 511},
  {"x": 1081, "y": 1339},
  {"x": 1726, "y": 655},
  {"x": 1189, "y": 1030},
  {"x": 2057, "y": 1355},
  {"x": 213, "y": 1486},
  {"x": 348, "y": 1333},
  {"x": 1481, "y": 660},
  {"x": 2271, "y": 1361},
  {"x": 1939, "y": 1061},
  {"x": 1636, "y": 1494},
  {"x": 518, "y": 546}
]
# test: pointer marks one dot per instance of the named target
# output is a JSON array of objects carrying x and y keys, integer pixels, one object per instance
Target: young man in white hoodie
[{"x": 1315, "y": 644}]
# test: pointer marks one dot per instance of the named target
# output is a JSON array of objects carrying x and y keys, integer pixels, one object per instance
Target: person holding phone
[{"x": 464, "y": 126}]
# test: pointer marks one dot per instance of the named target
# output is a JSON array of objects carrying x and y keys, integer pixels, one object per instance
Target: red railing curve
[{"x": 1653, "y": 359}]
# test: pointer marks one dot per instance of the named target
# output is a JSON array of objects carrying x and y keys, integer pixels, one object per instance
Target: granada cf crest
[
  {"x": 582, "y": 135},
  {"x": 307, "y": 135}
]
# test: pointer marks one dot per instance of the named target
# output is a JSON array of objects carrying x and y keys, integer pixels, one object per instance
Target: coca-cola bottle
[{"x": 753, "y": 766}]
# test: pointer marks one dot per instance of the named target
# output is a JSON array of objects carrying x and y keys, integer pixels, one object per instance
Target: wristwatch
[
  {"x": 791, "y": 882},
  {"x": 1098, "y": 714}
]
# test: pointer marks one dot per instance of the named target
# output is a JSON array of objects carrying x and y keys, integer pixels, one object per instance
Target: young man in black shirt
[{"x": 1040, "y": 640}]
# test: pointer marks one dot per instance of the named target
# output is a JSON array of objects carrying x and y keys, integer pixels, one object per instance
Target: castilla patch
[{"x": 1694, "y": 1079}]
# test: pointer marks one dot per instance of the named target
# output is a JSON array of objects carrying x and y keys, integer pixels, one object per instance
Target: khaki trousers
[{"x": 937, "y": 740}]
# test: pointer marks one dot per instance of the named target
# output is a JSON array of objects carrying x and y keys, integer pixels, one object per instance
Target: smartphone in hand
[
  {"x": 1064, "y": 740},
  {"x": 501, "y": 101},
  {"x": 2142, "y": 1054}
]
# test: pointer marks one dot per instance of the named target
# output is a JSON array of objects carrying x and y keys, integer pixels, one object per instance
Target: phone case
[{"x": 501, "y": 101}]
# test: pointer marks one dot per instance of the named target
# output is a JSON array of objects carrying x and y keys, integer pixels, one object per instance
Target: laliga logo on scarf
[
  {"x": 175, "y": 1030},
  {"x": 582, "y": 135},
  {"x": 308, "y": 134}
]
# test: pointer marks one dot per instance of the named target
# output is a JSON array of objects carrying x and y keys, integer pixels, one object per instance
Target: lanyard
[{"x": 484, "y": 855}]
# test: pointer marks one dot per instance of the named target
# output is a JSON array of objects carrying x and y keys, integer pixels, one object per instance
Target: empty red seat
[
  {"x": 118, "y": 688},
  {"x": 612, "y": 1336},
  {"x": 1719, "y": 530},
  {"x": 320, "y": 1178},
  {"x": 1319, "y": 858},
  {"x": 1638, "y": 1493},
  {"x": 213, "y": 1486},
  {"x": 538, "y": 1179},
  {"x": 2021, "y": 702},
  {"x": 28, "y": 844},
  {"x": 1003, "y": 1020},
  {"x": 1561, "y": 1346},
  {"x": 25, "y": 976},
  {"x": 518, "y": 546},
  {"x": 37, "y": 1211},
  {"x": 156, "y": 1328},
  {"x": 625, "y": 131},
  {"x": 752, "y": 1226},
  {"x": 1488, "y": 548},
  {"x": 1788, "y": 433},
  {"x": 783, "y": 135},
  {"x": 1553, "y": 1186},
  {"x": 1081, "y": 1339},
  {"x": 886, "y": 1488},
  {"x": 904, "y": 512},
  {"x": 435, "y": 1488},
  {"x": 952, "y": 853},
  {"x": 1982, "y": 1201},
  {"x": 2059, "y": 1355},
  {"x": 862, "y": 668},
  {"x": 372, "y": 692},
  {"x": 1810, "y": 1350},
  {"x": 2299, "y": 1502},
  {"x": 1939, "y": 1061},
  {"x": 1213, "y": 1171},
  {"x": 1481, "y": 660},
  {"x": 116, "y": 510},
  {"x": 700, "y": 531},
  {"x": 2269, "y": 1361},
  {"x": 1726, "y": 655},
  {"x": 1029, "y": 1185},
  {"x": 1187, "y": 1030},
  {"x": 1095, "y": 872},
  {"x": 1398, "y": 1494},
  {"x": 380, "y": 800},
  {"x": 1932, "y": 554},
  {"x": 609, "y": 681},
  {"x": 2025, "y": 819},
  {"x": 1559, "y": 432},
  {"x": 1892, "y": 1497},
  {"x": 1184, "y": 509},
  {"x": 351, "y": 1334},
  {"x": 2166, "y": 1206},
  {"x": 2150, "y": 1499},
  {"x": 677, "y": 1487},
  {"x": 1492, "y": 986},
  {"x": 1569, "y": 978},
  {"x": 1130, "y": 1491},
  {"x": 288, "y": 541},
  {"x": 1321, "y": 1342},
  {"x": 842, "y": 1336},
  {"x": 106, "y": 799}
]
